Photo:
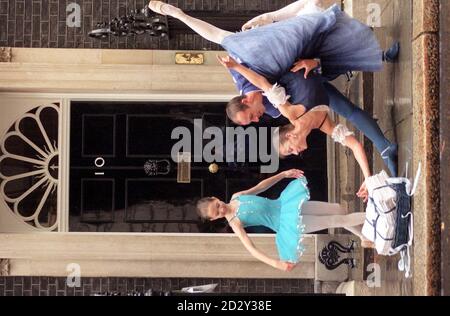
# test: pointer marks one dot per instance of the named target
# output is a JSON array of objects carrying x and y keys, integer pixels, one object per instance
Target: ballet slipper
[
  {"x": 391, "y": 55},
  {"x": 157, "y": 6},
  {"x": 390, "y": 157}
]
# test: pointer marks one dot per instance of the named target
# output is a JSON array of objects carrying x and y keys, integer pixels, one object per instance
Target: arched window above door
[{"x": 29, "y": 164}]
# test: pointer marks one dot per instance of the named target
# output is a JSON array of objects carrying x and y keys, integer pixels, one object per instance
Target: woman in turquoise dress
[{"x": 291, "y": 216}]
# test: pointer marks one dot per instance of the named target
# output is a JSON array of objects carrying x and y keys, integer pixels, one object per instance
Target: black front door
[{"x": 122, "y": 176}]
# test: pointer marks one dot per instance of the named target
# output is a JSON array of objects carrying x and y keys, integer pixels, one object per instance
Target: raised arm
[
  {"x": 276, "y": 95},
  {"x": 270, "y": 182},
  {"x": 255, "y": 78},
  {"x": 248, "y": 244}
]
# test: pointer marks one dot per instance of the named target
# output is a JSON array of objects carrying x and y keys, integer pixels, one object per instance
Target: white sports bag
[{"x": 389, "y": 220}]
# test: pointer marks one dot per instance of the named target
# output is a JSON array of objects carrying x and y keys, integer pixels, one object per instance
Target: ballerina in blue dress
[
  {"x": 342, "y": 43},
  {"x": 291, "y": 216}
]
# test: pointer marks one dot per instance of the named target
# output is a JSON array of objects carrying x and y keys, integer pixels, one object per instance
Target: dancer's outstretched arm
[
  {"x": 269, "y": 182},
  {"x": 285, "y": 107},
  {"x": 347, "y": 139},
  {"x": 248, "y": 244}
]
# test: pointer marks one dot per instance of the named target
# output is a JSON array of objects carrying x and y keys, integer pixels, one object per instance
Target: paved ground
[
  {"x": 393, "y": 95},
  {"x": 392, "y": 106}
]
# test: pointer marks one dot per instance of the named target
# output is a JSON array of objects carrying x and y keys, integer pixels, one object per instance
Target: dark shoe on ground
[
  {"x": 391, "y": 55},
  {"x": 390, "y": 158}
]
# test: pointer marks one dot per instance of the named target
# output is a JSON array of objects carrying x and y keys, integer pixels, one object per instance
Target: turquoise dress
[{"x": 282, "y": 216}]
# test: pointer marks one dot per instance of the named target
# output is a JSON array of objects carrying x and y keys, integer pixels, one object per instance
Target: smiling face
[
  {"x": 293, "y": 144},
  {"x": 212, "y": 209}
]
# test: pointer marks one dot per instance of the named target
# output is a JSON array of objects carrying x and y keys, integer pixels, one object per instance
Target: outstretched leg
[
  {"x": 357, "y": 230},
  {"x": 351, "y": 222},
  {"x": 292, "y": 10},
  {"x": 317, "y": 223},
  {"x": 366, "y": 124},
  {"x": 205, "y": 30},
  {"x": 322, "y": 209}
]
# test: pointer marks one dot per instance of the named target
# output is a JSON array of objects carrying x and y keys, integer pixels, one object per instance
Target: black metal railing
[{"x": 138, "y": 22}]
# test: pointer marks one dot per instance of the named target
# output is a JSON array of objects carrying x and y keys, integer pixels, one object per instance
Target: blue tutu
[
  {"x": 282, "y": 216},
  {"x": 342, "y": 43},
  {"x": 290, "y": 233}
]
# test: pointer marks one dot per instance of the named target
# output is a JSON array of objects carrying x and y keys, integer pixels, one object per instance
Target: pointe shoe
[
  {"x": 391, "y": 55},
  {"x": 390, "y": 158},
  {"x": 260, "y": 20},
  {"x": 157, "y": 7}
]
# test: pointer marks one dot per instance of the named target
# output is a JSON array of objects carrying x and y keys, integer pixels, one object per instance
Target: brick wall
[
  {"x": 42, "y": 23},
  {"x": 44, "y": 286}
]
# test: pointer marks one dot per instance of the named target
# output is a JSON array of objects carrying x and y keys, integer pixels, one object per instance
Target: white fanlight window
[{"x": 29, "y": 162}]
